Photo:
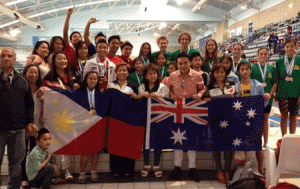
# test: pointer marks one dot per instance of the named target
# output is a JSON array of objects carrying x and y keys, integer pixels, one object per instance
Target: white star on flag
[
  {"x": 251, "y": 113},
  {"x": 224, "y": 124},
  {"x": 248, "y": 123},
  {"x": 178, "y": 136},
  {"x": 237, "y": 105},
  {"x": 236, "y": 142}
]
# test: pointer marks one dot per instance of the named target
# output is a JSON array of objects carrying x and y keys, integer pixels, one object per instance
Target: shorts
[
  {"x": 268, "y": 108},
  {"x": 288, "y": 105}
]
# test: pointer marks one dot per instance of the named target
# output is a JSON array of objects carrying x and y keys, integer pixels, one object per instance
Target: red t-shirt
[
  {"x": 129, "y": 60},
  {"x": 71, "y": 54},
  {"x": 116, "y": 60}
]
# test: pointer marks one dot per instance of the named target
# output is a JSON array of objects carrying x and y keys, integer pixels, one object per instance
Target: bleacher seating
[{"x": 252, "y": 42}]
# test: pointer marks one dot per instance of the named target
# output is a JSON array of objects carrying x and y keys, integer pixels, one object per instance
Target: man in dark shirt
[{"x": 16, "y": 111}]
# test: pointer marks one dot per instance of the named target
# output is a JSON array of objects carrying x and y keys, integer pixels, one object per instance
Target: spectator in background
[
  {"x": 281, "y": 38},
  {"x": 274, "y": 40},
  {"x": 289, "y": 30},
  {"x": 270, "y": 41}
]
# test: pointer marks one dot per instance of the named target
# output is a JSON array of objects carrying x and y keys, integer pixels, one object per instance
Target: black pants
[
  {"x": 121, "y": 165},
  {"x": 30, "y": 144},
  {"x": 227, "y": 157},
  {"x": 44, "y": 177}
]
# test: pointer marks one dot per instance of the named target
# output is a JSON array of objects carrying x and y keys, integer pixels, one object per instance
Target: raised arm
[
  {"x": 66, "y": 25},
  {"x": 86, "y": 34}
]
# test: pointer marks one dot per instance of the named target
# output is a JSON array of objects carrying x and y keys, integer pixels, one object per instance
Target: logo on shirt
[
  {"x": 296, "y": 67},
  {"x": 270, "y": 75}
]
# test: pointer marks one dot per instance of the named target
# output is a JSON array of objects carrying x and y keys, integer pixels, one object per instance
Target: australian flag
[
  {"x": 180, "y": 124},
  {"x": 236, "y": 123}
]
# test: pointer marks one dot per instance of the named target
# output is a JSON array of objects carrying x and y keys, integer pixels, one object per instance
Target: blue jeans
[{"x": 15, "y": 141}]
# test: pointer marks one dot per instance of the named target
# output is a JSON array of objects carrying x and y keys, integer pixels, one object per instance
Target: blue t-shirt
[{"x": 92, "y": 49}]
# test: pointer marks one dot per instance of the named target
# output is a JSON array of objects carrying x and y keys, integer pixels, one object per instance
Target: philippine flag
[{"x": 73, "y": 130}]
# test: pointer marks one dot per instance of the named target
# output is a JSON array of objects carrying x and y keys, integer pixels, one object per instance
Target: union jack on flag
[
  {"x": 190, "y": 109},
  {"x": 180, "y": 124}
]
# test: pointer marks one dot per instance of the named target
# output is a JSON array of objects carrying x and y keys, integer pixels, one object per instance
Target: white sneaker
[
  {"x": 94, "y": 176},
  {"x": 82, "y": 178}
]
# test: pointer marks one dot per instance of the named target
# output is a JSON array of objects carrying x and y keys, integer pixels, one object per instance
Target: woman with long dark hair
[
  {"x": 145, "y": 54},
  {"x": 41, "y": 48}
]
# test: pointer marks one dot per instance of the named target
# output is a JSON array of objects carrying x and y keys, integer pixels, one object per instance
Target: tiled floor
[{"x": 147, "y": 185}]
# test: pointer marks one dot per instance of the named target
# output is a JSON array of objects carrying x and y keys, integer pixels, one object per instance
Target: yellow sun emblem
[{"x": 64, "y": 122}]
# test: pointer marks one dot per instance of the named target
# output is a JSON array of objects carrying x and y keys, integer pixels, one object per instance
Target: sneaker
[
  {"x": 82, "y": 178},
  {"x": 176, "y": 173},
  {"x": 194, "y": 175},
  {"x": 94, "y": 176}
]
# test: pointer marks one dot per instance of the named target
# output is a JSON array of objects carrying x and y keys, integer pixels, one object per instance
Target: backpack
[{"x": 246, "y": 177}]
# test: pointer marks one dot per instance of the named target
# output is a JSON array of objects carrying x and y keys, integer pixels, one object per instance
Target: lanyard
[
  {"x": 162, "y": 72},
  {"x": 235, "y": 67},
  {"x": 289, "y": 67},
  {"x": 91, "y": 98},
  {"x": 211, "y": 64},
  {"x": 105, "y": 65},
  {"x": 263, "y": 73},
  {"x": 146, "y": 62},
  {"x": 61, "y": 83},
  {"x": 81, "y": 67},
  {"x": 137, "y": 76},
  {"x": 187, "y": 52}
]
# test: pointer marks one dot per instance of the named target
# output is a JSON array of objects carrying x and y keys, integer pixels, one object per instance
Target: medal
[
  {"x": 263, "y": 74},
  {"x": 289, "y": 68},
  {"x": 289, "y": 79},
  {"x": 234, "y": 68},
  {"x": 93, "y": 112}
]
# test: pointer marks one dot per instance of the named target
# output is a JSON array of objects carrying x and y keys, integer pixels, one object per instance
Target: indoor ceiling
[{"x": 19, "y": 13}]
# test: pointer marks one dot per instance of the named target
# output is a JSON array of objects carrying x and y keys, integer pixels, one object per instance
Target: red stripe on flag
[
  {"x": 88, "y": 142},
  {"x": 124, "y": 139}
]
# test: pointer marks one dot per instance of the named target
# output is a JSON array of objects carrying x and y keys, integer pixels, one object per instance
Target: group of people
[{"x": 90, "y": 67}]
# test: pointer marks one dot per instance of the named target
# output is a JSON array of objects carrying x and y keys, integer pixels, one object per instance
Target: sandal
[
  {"x": 145, "y": 171},
  {"x": 157, "y": 171},
  {"x": 221, "y": 180},
  {"x": 68, "y": 175}
]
